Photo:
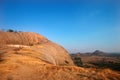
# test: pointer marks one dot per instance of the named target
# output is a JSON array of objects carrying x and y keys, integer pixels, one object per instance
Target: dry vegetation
[
  {"x": 111, "y": 61},
  {"x": 26, "y": 68},
  {"x": 27, "y": 64}
]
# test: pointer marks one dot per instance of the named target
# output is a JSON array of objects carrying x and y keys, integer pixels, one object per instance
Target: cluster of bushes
[
  {"x": 10, "y": 30},
  {"x": 98, "y": 64},
  {"x": 78, "y": 61},
  {"x": 101, "y": 64}
]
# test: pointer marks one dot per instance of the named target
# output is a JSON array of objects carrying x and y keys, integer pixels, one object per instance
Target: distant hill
[
  {"x": 99, "y": 53},
  {"x": 95, "y": 53}
]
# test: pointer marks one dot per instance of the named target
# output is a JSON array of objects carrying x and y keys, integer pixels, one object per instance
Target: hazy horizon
[{"x": 79, "y": 25}]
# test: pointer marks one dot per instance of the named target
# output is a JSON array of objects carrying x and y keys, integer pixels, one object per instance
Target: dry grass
[
  {"x": 50, "y": 72},
  {"x": 23, "y": 64}
]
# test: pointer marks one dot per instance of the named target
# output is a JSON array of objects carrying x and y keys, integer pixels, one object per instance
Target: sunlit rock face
[{"x": 34, "y": 45}]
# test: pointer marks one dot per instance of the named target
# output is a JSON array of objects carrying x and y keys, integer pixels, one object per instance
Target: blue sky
[{"x": 77, "y": 25}]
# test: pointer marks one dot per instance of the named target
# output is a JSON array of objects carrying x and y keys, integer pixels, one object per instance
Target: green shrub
[{"x": 78, "y": 61}]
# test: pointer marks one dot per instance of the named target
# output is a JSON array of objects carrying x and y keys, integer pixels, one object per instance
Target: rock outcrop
[
  {"x": 36, "y": 45},
  {"x": 30, "y": 56}
]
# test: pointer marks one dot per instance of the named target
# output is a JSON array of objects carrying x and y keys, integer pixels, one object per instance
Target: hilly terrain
[
  {"x": 97, "y": 59},
  {"x": 30, "y": 56}
]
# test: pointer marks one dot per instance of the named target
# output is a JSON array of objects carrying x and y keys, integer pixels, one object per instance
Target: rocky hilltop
[
  {"x": 30, "y": 56},
  {"x": 99, "y": 53},
  {"x": 33, "y": 42},
  {"x": 21, "y": 38}
]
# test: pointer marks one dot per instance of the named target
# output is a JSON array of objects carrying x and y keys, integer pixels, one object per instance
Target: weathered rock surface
[{"x": 36, "y": 45}]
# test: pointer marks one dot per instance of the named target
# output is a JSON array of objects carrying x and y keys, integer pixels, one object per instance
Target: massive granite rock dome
[
  {"x": 35, "y": 46},
  {"x": 30, "y": 56}
]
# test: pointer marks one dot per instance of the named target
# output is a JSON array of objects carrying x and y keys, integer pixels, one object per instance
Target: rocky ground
[{"x": 29, "y": 56}]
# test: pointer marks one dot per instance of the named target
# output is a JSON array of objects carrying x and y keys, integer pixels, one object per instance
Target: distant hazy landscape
[{"x": 97, "y": 59}]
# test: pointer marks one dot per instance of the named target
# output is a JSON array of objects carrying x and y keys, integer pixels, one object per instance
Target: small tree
[
  {"x": 10, "y": 30},
  {"x": 78, "y": 61}
]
